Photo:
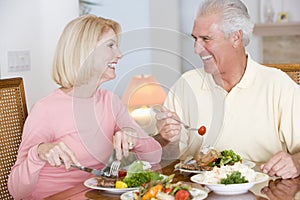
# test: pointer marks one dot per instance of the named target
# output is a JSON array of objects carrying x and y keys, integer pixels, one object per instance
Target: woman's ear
[{"x": 237, "y": 38}]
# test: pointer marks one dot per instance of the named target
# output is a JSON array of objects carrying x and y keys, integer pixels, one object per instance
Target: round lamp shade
[{"x": 143, "y": 90}]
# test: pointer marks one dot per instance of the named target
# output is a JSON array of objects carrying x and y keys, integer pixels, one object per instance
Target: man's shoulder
[
  {"x": 197, "y": 73},
  {"x": 274, "y": 76}
]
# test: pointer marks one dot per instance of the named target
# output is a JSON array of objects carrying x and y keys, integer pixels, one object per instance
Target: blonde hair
[{"x": 76, "y": 43}]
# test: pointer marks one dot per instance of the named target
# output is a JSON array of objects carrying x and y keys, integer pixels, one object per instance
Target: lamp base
[{"x": 145, "y": 117}]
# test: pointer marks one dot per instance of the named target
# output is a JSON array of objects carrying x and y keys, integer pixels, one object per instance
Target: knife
[{"x": 92, "y": 171}]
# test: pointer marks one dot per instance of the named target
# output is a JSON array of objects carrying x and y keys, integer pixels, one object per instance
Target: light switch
[{"x": 18, "y": 61}]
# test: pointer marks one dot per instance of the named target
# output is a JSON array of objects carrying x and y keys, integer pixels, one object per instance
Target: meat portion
[
  {"x": 106, "y": 182},
  {"x": 202, "y": 161},
  {"x": 195, "y": 166}
]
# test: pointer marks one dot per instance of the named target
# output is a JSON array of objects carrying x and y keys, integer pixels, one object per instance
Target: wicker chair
[
  {"x": 13, "y": 112},
  {"x": 293, "y": 70}
]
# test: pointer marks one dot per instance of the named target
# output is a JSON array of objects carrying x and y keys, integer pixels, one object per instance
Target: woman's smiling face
[{"x": 108, "y": 52}]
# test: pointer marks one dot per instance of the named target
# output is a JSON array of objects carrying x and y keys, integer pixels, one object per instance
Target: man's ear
[{"x": 237, "y": 38}]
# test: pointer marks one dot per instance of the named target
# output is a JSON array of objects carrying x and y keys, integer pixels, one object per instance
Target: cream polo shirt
[{"x": 259, "y": 117}]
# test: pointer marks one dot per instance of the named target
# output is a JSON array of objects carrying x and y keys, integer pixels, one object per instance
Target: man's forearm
[
  {"x": 163, "y": 142},
  {"x": 170, "y": 150}
]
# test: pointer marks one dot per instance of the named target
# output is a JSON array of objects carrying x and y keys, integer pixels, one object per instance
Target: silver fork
[
  {"x": 114, "y": 168},
  {"x": 187, "y": 127}
]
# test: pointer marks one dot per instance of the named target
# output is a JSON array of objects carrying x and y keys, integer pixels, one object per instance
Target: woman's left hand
[{"x": 125, "y": 140}]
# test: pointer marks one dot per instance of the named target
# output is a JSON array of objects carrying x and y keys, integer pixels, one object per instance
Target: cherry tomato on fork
[{"x": 202, "y": 130}]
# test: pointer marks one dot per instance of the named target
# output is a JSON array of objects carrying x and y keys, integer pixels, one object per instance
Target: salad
[
  {"x": 164, "y": 189},
  {"x": 226, "y": 157},
  {"x": 207, "y": 159},
  {"x": 136, "y": 176}
]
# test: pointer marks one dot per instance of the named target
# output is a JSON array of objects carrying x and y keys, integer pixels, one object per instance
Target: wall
[
  {"x": 150, "y": 43},
  {"x": 33, "y": 25},
  {"x": 255, "y": 48},
  {"x": 290, "y": 6},
  {"x": 188, "y": 12},
  {"x": 134, "y": 39},
  {"x": 165, "y": 41}
]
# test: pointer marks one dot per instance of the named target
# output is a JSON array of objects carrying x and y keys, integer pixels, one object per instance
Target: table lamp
[{"x": 142, "y": 92}]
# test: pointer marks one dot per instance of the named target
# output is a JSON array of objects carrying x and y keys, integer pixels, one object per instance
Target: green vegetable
[
  {"x": 228, "y": 157},
  {"x": 136, "y": 175},
  {"x": 135, "y": 167},
  {"x": 234, "y": 178},
  {"x": 147, "y": 186}
]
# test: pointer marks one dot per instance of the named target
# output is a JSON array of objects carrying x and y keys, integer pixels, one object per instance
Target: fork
[
  {"x": 187, "y": 127},
  {"x": 114, "y": 168}
]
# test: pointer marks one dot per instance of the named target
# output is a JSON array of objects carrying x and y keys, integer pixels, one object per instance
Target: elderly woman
[{"x": 78, "y": 122}]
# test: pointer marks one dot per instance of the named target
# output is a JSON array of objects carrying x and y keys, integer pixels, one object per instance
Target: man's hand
[
  {"x": 283, "y": 165},
  {"x": 168, "y": 128},
  {"x": 281, "y": 189}
]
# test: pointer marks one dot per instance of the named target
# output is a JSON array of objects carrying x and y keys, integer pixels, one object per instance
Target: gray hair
[{"x": 233, "y": 16}]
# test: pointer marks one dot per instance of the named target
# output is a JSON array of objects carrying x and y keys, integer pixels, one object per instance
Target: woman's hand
[
  {"x": 124, "y": 141},
  {"x": 57, "y": 153},
  {"x": 168, "y": 128}
]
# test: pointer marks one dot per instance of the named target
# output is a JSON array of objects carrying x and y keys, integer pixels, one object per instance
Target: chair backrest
[
  {"x": 13, "y": 112},
  {"x": 293, "y": 70}
]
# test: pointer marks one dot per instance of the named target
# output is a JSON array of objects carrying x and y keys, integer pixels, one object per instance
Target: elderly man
[{"x": 247, "y": 107}]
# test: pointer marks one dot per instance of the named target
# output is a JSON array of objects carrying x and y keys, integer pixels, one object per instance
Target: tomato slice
[
  {"x": 202, "y": 130},
  {"x": 122, "y": 173},
  {"x": 182, "y": 195},
  {"x": 167, "y": 190}
]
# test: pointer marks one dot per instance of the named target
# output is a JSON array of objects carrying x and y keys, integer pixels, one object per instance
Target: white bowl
[{"x": 231, "y": 189}]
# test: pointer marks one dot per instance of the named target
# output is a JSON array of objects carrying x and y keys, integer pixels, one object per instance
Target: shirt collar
[
  {"x": 246, "y": 81},
  {"x": 249, "y": 75},
  {"x": 208, "y": 81}
]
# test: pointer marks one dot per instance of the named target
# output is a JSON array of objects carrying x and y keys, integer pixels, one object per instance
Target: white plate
[
  {"x": 248, "y": 163},
  {"x": 231, "y": 188},
  {"x": 197, "y": 194},
  {"x": 92, "y": 183}
]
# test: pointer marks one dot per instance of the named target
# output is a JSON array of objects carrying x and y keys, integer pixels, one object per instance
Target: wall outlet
[{"x": 18, "y": 61}]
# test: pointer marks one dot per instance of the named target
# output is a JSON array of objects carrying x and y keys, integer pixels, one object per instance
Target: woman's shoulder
[
  {"x": 103, "y": 93},
  {"x": 51, "y": 99},
  {"x": 106, "y": 96}
]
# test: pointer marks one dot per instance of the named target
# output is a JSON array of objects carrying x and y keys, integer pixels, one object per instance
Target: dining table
[{"x": 274, "y": 189}]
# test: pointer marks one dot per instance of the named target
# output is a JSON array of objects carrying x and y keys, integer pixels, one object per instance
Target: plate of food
[
  {"x": 165, "y": 190},
  {"x": 230, "y": 179},
  {"x": 136, "y": 175},
  {"x": 196, "y": 194},
  {"x": 206, "y": 161},
  {"x": 94, "y": 183}
]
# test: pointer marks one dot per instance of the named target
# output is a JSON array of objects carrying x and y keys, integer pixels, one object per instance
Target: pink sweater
[{"x": 86, "y": 126}]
